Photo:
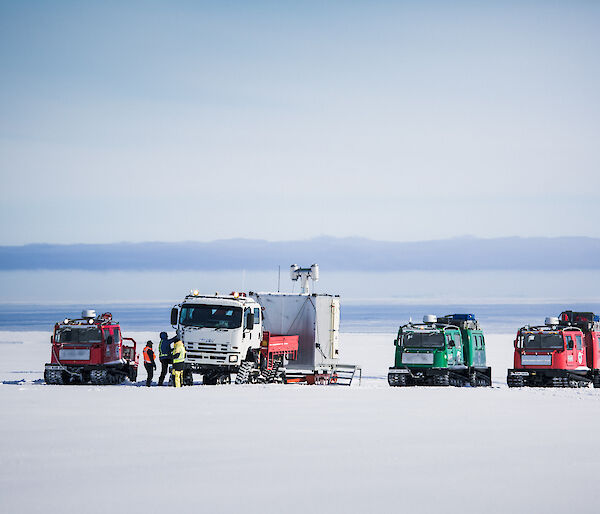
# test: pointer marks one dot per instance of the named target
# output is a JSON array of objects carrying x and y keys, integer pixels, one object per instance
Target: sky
[{"x": 400, "y": 121}]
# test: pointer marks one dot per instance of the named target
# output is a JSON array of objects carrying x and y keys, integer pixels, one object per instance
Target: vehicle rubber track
[
  {"x": 515, "y": 381},
  {"x": 54, "y": 376},
  {"x": 99, "y": 377},
  {"x": 441, "y": 380},
  {"x": 268, "y": 376},
  {"x": 398, "y": 379},
  {"x": 243, "y": 374},
  {"x": 478, "y": 379}
]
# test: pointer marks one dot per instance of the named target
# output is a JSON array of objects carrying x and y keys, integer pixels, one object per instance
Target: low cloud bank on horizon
[{"x": 338, "y": 254}]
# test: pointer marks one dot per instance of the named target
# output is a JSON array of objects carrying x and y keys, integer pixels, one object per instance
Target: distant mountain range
[{"x": 340, "y": 254}]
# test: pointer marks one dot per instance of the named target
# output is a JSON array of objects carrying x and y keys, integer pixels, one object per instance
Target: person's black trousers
[
  {"x": 149, "y": 372},
  {"x": 164, "y": 367}
]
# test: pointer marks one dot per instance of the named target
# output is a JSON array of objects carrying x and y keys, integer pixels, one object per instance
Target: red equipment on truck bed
[
  {"x": 91, "y": 349},
  {"x": 273, "y": 347}
]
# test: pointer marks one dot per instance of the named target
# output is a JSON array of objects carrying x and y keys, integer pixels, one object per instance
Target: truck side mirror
[
  {"x": 250, "y": 321},
  {"x": 174, "y": 315},
  {"x": 51, "y": 339}
]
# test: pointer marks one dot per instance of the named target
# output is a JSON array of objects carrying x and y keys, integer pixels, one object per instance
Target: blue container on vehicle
[{"x": 463, "y": 317}]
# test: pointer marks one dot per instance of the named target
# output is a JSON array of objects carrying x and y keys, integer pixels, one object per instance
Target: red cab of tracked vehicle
[
  {"x": 91, "y": 349},
  {"x": 562, "y": 353}
]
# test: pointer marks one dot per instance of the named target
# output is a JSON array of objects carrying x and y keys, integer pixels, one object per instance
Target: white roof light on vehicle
[
  {"x": 551, "y": 321},
  {"x": 430, "y": 318}
]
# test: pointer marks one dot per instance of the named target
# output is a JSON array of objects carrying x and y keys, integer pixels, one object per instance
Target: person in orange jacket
[{"x": 149, "y": 363}]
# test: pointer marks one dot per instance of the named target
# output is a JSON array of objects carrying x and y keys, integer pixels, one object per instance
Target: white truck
[
  {"x": 219, "y": 332},
  {"x": 262, "y": 337}
]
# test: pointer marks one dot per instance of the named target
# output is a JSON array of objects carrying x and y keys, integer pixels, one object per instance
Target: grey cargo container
[{"x": 315, "y": 318}]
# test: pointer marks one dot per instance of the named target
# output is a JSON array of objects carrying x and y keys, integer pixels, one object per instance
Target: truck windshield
[
  {"x": 211, "y": 316},
  {"x": 547, "y": 341},
  {"x": 434, "y": 340},
  {"x": 78, "y": 335}
]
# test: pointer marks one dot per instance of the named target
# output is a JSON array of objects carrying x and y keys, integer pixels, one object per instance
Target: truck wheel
[
  {"x": 596, "y": 380},
  {"x": 210, "y": 379},
  {"x": 224, "y": 379},
  {"x": 188, "y": 378}
]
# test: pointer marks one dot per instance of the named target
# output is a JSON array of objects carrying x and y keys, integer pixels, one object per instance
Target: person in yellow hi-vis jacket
[{"x": 178, "y": 362}]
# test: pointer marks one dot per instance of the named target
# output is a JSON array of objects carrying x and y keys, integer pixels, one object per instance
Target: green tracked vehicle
[{"x": 444, "y": 351}]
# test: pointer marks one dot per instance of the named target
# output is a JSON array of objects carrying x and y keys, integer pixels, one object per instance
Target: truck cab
[
  {"x": 552, "y": 355},
  {"x": 219, "y": 332}
]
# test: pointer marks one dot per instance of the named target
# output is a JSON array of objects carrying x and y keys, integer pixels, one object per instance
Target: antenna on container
[
  {"x": 304, "y": 274},
  {"x": 278, "y": 278}
]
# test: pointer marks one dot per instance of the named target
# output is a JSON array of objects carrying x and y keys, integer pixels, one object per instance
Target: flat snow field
[{"x": 293, "y": 449}]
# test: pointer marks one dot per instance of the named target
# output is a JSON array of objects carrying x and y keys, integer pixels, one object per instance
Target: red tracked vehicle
[
  {"x": 91, "y": 349},
  {"x": 565, "y": 352}
]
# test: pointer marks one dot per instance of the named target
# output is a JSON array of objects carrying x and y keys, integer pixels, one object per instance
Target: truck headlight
[{"x": 233, "y": 358}]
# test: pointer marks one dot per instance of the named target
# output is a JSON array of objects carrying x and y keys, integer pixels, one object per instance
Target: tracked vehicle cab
[
  {"x": 91, "y": 349},
  {"x": 564, "y": 352},
  {"x": 449, "y": 350}
]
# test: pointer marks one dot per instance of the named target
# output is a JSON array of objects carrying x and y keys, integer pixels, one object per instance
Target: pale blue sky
[{"x": 283, "y": 120}]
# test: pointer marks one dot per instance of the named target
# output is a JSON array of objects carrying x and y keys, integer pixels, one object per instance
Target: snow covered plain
[{"x": 293, "y": 448}]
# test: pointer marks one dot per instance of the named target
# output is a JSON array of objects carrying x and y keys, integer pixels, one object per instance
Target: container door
[{"x": 334, "y": 334}]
